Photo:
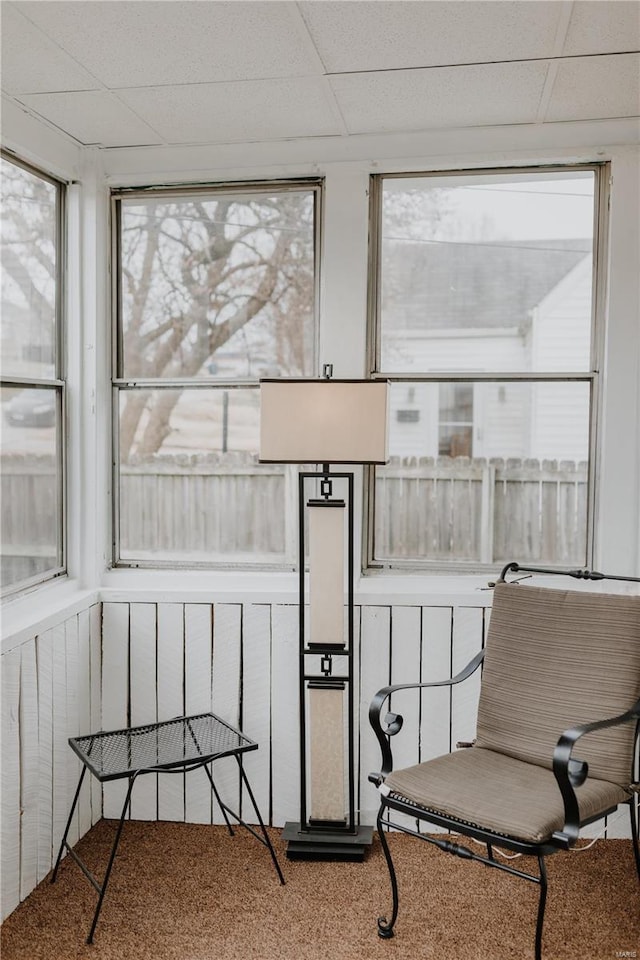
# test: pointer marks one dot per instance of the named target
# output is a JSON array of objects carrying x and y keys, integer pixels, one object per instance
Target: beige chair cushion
[
  {"x": 491, "y": 790},
  {"x": 556, "y": 658}
]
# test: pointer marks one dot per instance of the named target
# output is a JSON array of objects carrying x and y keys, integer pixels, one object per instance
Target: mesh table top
[{"x": 184, "y": 741}]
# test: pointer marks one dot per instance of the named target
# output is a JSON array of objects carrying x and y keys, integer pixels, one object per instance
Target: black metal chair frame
[
  {"x": 83, "y": 747},
  {"x": 569, "y": 773}
]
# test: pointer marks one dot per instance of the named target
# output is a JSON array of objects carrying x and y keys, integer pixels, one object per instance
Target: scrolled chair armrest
[
  {"x": 392, "y": 723},
  {"x": 571, "y": 773}
]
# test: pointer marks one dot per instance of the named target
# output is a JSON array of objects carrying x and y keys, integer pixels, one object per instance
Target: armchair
[{"x": 558, "y": 666}]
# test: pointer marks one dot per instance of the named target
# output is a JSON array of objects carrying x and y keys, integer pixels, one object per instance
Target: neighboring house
[{"x": 487, "y": 307}]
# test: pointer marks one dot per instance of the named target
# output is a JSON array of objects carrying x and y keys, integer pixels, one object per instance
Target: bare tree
[
  {"x": 195, "y": 273},
  {"x": 28, "y": 230}
]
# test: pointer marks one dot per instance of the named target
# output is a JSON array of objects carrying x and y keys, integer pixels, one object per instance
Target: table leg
[
  {"x": 267, "y": 840},
  {"x": 103, "y": 888},
  {"x": 219, "y": 801},
  {"x": 66, "y": 831}
]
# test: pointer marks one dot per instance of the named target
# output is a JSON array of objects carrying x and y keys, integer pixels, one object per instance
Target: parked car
[{"x": 31, "y": 408}]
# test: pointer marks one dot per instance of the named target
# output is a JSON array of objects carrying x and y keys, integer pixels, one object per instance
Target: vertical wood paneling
[
  {"x": 84, "y": 712},
  {"x": 44, "y": 650},
  {"x": 61, "y": 803},
  {"x": 467, "y": 640},
  {"x": 71, "y": 706},
  {"x": 115, "y": 690},
  {"x": 198, "y": 647},
  {"x": 405, "y": 668},
  {"x": 10, "y": 836},
  {"x": 375, "y": 672},
  {"x": 143, "y": 708},
  {"x": 115, "y": 664},
  {"x": 435, "y": 719},
  {"x": 256, "y": 703},
  {"x": 285, "y": 715},
  {"x": 95, "y": 697},
  {"x": 227, "y": 643},
  {"x": 29, "y": 759},
  {"x": 435, "y": 734},
  {"x": 171, "y": 699}
]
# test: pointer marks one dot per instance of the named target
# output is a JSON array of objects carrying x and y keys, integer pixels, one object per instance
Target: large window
[
  {"x": 31, "y": 386},
  {"x": 215, "y": 288},
  {"x": 484, "y": 318}
]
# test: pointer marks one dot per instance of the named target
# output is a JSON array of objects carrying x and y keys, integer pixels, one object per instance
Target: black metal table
[{"x": 172, "y": 746}]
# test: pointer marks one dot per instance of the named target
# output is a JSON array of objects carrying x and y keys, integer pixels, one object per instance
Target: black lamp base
[{"x": 326, "y": 844}]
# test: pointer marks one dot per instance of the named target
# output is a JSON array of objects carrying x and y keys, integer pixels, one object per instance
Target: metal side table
[{"x": 173, "y": 746}]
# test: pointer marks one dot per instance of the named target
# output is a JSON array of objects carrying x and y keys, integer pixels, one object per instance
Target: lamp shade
[{"x": 323, "y": 421}]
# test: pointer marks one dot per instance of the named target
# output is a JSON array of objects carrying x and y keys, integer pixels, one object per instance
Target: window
[
  {"x": 31, "y": 388},
  {"x": 455, "y": 427},
  {"x": 483, "y": 317},
  {"x": 215, "y": 288}
]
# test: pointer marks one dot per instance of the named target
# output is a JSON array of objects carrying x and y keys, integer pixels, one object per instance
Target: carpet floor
[{"x": 190, "y": 892}]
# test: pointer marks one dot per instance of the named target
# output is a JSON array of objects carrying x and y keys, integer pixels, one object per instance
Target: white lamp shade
[{"x": 323, "y": 421}]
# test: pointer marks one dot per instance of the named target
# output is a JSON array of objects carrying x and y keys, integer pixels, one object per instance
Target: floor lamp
[{"x": 325, "y": 422}]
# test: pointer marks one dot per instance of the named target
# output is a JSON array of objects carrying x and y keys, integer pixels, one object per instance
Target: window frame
[
  {"x": 602, "y": 182},
  {"x": 119, "y": 383},
  {"x": 58, "y": 382}
]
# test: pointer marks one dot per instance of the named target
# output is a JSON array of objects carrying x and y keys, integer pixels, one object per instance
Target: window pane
[
  {"x": 513, "y": 485},
  {"x": 28, "y": 276},
  {"x": 487, "y": 272},
  {"x": 31, "y": 488},
  {"x": 190, "y": 485},
  {"x": 219, "y": 286}
]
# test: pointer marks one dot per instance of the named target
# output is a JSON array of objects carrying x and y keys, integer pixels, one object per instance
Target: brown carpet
[{"x": 187, "y": 892}]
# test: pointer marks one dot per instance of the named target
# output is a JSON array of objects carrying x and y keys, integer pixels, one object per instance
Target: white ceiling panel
[
  {"x": 594, "y": 88},
  {"x": 31, "y": 63},
  {"x": 440, "y": 97},
  {"x": 603, "y": 26},
  {"x": 94, "y": 117},
  {"x": 135, "y": 72},
  {"x": 129, "y": 43},
  {"x": 381, "y": 35},
  {"x": 228, "y": 112}
]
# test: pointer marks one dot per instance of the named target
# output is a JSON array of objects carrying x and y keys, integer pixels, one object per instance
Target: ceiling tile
[
  {"x": 132, "y": 43},
  {"x": 382, "y": 35},
  {"x": 33, "y": 64},
  {"x": 603, "y": 26},
  {"x": 95, "y": 117},
  {"x": 228, "y": 112},
  {"x": 440, "y": 97},
  {"x": 596, "y": 88}
]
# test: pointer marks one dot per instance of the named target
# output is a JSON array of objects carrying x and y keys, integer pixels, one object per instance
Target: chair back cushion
[{"x": 554, "y": 659}]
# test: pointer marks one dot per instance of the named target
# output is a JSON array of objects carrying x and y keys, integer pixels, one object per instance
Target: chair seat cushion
[{"x": 499, "y": 793}]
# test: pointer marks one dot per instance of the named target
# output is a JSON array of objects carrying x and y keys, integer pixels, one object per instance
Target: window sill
[
  {"x": 237, "y": 586},
  {"x": 41, "y": 608}
]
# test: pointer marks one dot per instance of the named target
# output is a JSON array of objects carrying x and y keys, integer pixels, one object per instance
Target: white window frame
[
  {"x": 602, "y": 181},
  {"x": 57, "y": 382}
]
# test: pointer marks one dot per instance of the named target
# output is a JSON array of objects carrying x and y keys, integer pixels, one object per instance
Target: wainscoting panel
[
  {"x": 49, "y": 693},
  {"x": 240, "y": 660},
  {"x": 117, "y": 664}
]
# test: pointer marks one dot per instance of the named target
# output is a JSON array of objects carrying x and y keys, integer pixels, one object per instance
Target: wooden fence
[
  {"x": 485, "y": 510},
  {"x": 230, "y": 506}
]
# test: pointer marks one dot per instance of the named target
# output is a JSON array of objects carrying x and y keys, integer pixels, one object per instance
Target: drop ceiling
[{"x": 127, "y": 73}]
